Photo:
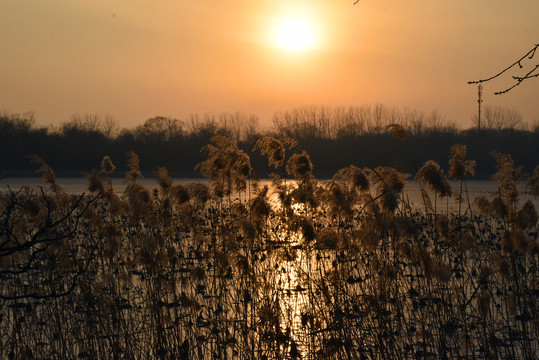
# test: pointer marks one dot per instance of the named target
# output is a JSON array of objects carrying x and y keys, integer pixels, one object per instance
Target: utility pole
[{"x": 479, "y": 101}]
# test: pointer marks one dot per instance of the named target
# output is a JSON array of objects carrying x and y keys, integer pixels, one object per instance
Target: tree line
[{"x": 335, "y": 138}]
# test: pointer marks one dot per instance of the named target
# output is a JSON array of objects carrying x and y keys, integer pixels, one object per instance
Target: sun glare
[{"x": 294, "y": 34}]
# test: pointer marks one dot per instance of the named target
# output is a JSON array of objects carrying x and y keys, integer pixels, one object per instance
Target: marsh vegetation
[{"x": 344, "y": 269}]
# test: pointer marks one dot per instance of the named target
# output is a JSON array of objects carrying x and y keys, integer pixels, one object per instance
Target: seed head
[
  {"x": 527, "y": 216},
  {"x": 458, "y": 166},
  {"x": 398, "y": 131},
  {"x": 107, "y": 167},
  {"x": 431, "y": 174},
  {"x": 273, "y": 149}
]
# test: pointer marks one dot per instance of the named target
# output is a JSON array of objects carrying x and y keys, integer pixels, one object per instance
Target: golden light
[{"x": 294, "y": 34}]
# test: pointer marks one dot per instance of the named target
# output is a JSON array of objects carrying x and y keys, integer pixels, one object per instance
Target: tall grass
[{"x": 232, "y": 270}]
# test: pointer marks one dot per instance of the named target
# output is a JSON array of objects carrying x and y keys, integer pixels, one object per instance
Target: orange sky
[{"x": 134, "y": 59}]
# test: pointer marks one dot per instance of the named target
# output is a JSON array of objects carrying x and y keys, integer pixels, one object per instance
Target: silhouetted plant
[{"x": 342, "y": 269}]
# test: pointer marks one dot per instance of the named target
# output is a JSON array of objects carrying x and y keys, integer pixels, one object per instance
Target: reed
[{"x": 302, "y": 269}]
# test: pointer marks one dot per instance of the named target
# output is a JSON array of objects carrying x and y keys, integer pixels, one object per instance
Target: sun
[{"x": 294, "y": 34}]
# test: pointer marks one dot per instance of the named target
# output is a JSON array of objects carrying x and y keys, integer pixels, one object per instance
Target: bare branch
[
  {"x": 529, "y": 55},
  {"x": 519, "y": 80}
]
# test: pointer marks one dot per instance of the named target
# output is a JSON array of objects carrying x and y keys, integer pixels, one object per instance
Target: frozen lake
[{"x": 412, "y": 192}]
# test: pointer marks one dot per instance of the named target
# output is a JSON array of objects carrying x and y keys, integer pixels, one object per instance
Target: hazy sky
[{"x": 135, "y": 59}]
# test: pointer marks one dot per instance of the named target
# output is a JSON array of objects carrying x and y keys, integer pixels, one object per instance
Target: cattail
[
  {"x": 431, "y": 174},
  {"x": 107, "y": 167}
]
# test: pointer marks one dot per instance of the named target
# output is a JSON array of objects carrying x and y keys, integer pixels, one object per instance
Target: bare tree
[
  {"x": 533, "y": 73},
  {"x": 238, "y": 126},
  {"x": 498, "y": 118},
  {"x": 110, "y": 127},
  {"x": 161, "y": 127}
]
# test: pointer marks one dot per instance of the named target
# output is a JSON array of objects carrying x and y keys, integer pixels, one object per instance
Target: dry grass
[{"x": 343, "y": 270}]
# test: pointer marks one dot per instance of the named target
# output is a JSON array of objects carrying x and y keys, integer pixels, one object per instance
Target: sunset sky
[{"x": 137, "y": 59}]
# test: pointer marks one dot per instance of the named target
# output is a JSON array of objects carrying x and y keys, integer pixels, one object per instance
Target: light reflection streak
[{"x": 294, "y": 298}]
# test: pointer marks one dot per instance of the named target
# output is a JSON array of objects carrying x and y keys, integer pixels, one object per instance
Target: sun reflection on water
[{"x": 292, "y": 285}]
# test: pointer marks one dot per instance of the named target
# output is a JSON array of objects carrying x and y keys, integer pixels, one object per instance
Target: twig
[{"x": 529, "y": 55}]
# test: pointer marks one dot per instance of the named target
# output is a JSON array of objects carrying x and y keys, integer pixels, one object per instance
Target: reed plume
[
  {"x": 107, "y": 167},
  {"x": 259, "y": 207},
  {"x": 328, "y": 239},
  {"x": 164, "y": 179},
  {"x": 95, "y": 183},
  {"x": 459, "y": 167},
  {"x": 527, "y": 216},
  {"x": 273, "y": 149},
  {"x": 200, "y": 193},
  {"x": 431, "y": 174},
  {"x": 47, "y": 174},
  {"x": 506, "y": 177},
  {"x": 356, "y": 178},
  {"x": 133, "y": 164},
  {"x": 533, "y": 182},
  {"x": 300, "y": 166},
  {"x": 398, "y": 131},
  {"x": 483, "y": 205},
  {"x": 180, "y": 193}
]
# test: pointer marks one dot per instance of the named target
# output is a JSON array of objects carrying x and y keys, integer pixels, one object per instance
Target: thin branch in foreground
[{"x": 519, "y": 79}]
